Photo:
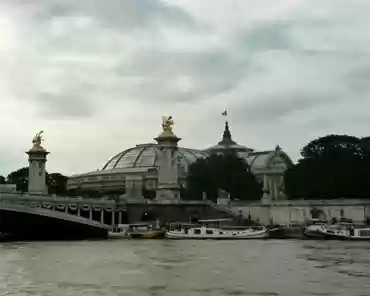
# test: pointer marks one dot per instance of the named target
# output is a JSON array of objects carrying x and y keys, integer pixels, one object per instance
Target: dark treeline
[
  {"x": 226, "y": 172},
  {"x": 56, "y": 182},
  {"x": 334, "y": 166}
]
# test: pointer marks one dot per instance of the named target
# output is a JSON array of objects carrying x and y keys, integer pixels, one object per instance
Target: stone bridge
[
  {"x": 58, "y": 216},
  {"x": 63, "y": 217}
]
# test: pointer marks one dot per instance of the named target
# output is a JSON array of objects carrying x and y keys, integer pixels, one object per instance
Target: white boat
[
  {"x": 310, "y": 231},
  {"x": 345, "y": 231},
  {"x": 203, "y": 231}
]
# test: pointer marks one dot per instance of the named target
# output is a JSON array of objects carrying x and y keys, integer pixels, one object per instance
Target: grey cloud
[
  {"x": 121, "y": 15},
  {"x": 65, "y": 104},
  {"x": 358, "y": 80},
  {"x": 78, "y": 86},
  {"x": 270, "y": 36},
  {"x": 276, "y": 106},
  {"x": 153, "y": 72},
  {"x": 208, "y": 74},
  {"x": 73, "y": 60},
  {"x": 59, "y": 89}
]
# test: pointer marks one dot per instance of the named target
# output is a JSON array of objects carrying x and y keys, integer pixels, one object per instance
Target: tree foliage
[
  {"x": 2, "y": 180},
  {"x": 226, "y": 172},
  {"x": 56, "y": 182},
  {"x": 19, "y": 178},
  {"x": 332, "y": 146},
  {"x": 334, "y": 166}
]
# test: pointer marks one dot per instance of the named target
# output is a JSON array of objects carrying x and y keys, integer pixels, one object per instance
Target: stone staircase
[{"x": 220, "y": 211}]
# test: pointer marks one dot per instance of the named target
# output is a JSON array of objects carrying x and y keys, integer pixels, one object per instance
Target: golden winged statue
[
  {"x": 36, "y": 141},
  {"x": 167, "y": 123}
]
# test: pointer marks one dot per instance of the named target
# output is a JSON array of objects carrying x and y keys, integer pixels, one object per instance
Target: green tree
[
  {"x": 57, "y": 183},
  {"x": 334, "y": 166},
  {"x": 332, "y": 146},
  {"x": 226, "y": 172},
  {"x": 2, "y": 180},
  {"x": 19, "y": 178}
]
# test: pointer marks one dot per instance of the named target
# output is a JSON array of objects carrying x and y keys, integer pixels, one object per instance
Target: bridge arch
[{"x": 40, "y": 223}]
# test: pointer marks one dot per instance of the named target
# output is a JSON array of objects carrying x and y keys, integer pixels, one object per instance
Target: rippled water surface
[{"x": 163, "y": 267}]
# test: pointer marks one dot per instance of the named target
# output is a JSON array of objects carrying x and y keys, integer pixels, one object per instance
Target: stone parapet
[
  {"x": 47, "y": 199},
  {"x": 301, "y": 202}
]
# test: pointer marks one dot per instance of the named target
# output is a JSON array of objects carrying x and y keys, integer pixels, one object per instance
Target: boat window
[
  {"x": 364, "y": 232},
  {"x": 196, "y": 231},
  {"x": 186, "y": 231},
  {"x": 221, "y": 232},
  {"x": 209, "y": 231}
]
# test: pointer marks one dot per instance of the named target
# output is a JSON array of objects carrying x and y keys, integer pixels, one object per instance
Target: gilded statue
[
  {"x": 167, "y": 123},
  {"x": 37, "y": 139}
]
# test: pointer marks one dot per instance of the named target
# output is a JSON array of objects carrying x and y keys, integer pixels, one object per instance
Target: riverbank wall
[{"x": 292, "y": 211}]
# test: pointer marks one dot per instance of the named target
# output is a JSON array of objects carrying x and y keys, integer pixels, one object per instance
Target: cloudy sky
[{"x": 97, "y": 76}]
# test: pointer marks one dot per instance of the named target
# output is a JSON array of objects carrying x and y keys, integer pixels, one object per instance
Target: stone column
[
  {"x": 168, "y": 187},
  {"x": 113, "y": 217},
  {"x": 274, "y": 188},
  {"x": 266, "y": 197},
  {"x": 36, "y": 171},
  {"x": 120, "y": 217},
  {"x": 281, "y": 188}
]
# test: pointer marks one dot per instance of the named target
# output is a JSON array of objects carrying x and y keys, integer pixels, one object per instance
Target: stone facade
[
  {"x": 176, "y": 211},
  {"x": 134, "y": 187},
  {"x": 299, "y": 211}
]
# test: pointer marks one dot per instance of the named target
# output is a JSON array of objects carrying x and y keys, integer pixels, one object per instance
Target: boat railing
[
  {"x": 253, "y": 228},
  {"x": 316, "y": 222},
  {"x": 181, "y": 225}
]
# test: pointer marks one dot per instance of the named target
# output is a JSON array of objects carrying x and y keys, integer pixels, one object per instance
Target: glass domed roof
[{"x": 145, "y": 155}]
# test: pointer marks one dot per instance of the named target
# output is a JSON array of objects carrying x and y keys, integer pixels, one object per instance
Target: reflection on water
[{"x": 163, "y": 267}]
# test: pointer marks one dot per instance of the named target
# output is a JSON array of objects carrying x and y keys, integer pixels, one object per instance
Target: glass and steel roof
[{"x": 145, "y": 155}]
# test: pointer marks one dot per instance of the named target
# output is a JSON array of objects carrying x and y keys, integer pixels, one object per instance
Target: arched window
[{"x": 318, "y": 214}]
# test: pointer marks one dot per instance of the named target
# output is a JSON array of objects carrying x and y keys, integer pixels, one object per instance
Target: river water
[{"x": 186, "y": 268}]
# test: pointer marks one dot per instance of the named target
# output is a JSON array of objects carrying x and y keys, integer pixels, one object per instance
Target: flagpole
[{"x": 225, "y": 115}]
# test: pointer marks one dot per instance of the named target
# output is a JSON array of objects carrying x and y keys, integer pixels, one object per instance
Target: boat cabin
[
  {"x": 134, "y": 227},
  {"x": 216, "y": 222}
]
